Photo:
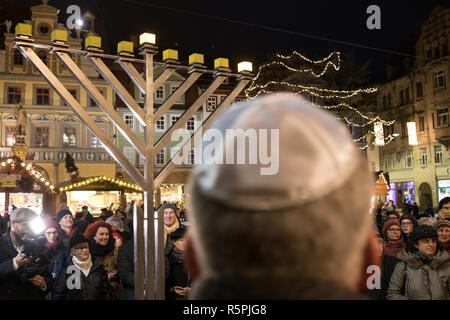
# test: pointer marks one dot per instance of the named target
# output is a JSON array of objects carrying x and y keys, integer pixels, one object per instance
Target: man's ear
[
  {"x": 370, "y": 258},
  {"x": 190, "y": 258}
]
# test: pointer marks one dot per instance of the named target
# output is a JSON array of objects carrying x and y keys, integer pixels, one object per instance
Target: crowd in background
[{"x": 82, "y": 257}]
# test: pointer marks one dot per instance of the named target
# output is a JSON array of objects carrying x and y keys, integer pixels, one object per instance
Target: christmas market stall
[
  {"x": 98, "y": 192},
  {"x": 22, "y": 185}
]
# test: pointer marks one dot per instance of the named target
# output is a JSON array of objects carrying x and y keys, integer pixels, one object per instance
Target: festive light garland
[
  {"x": 100, "y": 178},
  {"x": 37, "y": 176},
  {"x": 319, "y": 92}
]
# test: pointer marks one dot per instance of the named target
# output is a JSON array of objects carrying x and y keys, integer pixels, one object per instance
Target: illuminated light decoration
[
  {"x": 147, "y": 38},
  {"x": 412, "y": 134},
  {"x": 221, "y": 63},
  {"x": 196, "y": 58},
  {"x": 379, "y": 135},
  {"x": 9, "y": 161},
  {"x": 42, "y": 179},
  {"x": 245, "y": 66},
  {"x": 92, "y": 41},
  {"x": 22, "y": 164},
  {"x": 3, "y": 164},
  {"x": 52, "y": 187}
]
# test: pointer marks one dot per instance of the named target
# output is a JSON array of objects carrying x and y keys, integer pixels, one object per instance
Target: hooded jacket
[
  {"x": 421, "y": 281},
  {"x": 93, "y": 287}
]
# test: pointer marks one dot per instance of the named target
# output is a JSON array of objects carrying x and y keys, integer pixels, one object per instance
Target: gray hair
[
  {"x": 116, "y": 222},
  {"x": 323, "y": 238},
  {"x": 426, "y": 221},
  {"x": 22, "y": 215}
]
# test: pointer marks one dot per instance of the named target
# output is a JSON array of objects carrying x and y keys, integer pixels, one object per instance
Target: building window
[
  {"x": 69, "y": 137},
  {"x": 161, "y": 124},
  {"x": 407, "y": 95},
  {"x": 95, "y": 142},
  {"x": 432, "y": 119},
  {"x": 442, "y": 117},
  {"x": 43, "y": 96},
  {"x": 174, "y": 119},
  {"x": 130, "y": 154},
  {"x": 394, "y": 161},
  {"x": 160, "y": 93},
  {"x": 211, "y": 104},
  {"x": 386, "y": 164},
  {"x": 92, "y": 101},
  {"x": 14, "y": 95},
  {"x": 129, "y": 120},
  {"x": 190, "y": 125},
  {"x": 404, "y": 129},
  {"x": 419, "y": 90},
  {"x": 10, "y": 139},
  {"x": 73, "y": 92},
  {"x": 18, "y": 58},
  {"x": 160, "y": 157},
  {"x": 173, "y": 89},
  {"x": 384, "y": 102},
  {"x": 438, "y": 154},
  {"x": 41, "y": 137},
  {"x": 389, "y": 100},
  {"x": 423, "y": 157},
  {"x": 439, "y": 79},
  {"x": 437, "y": 53},
  {"x": 191, "y": 157},
  {"x": 408, "y": 159},
  {"x": 43, "y": 56},
  {"x": 421, "y": 123},
  {"x": 402, "y": 101}
]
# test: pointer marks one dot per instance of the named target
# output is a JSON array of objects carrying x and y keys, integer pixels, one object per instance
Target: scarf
[
  {"x": 84, "y": 266},
  {"x": 392, "y": 248},
  {"x": 51, "y": 245},
  {"x": 169, "y": 230},
  {"x": 98, "y": 250},
  {"x": 426, "y": 259}
]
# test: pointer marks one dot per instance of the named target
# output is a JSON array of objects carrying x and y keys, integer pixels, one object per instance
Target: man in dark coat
[
  {"x": 281, "y": 228},
  {"x": 178, "y": 280},
  {"x": 17, "y": 282},
  {"x": 125, "y": 269}
]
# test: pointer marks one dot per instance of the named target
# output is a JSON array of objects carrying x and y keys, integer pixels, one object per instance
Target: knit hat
[
  {"x": 389, "y": 224},
  {"x": 170, "y": 206},
  {"x": 389, "y": 209},
  {"x": 441, "y": 223},
  {"x": 50, "y": 223},
  {"x": 61, "y": 214},
  {"x": 422, "y": 232},
  {"x": 394, "y": 212},
  {"x": 76, "y": 239},
  {"x": 178, "y": 234},
  {"x": 408, "y": 216}
]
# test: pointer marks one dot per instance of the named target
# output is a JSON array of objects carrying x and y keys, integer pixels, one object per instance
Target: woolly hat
[
  {"x": 76, "y": 239},
  {"x": 50, "y": 223},
  {"x": 178, "y": 234},
  {"x": 394, "y": 212},
  {"x": 61, "y": 214},
  {"x": 408, "y": 216},
  {"x": 170, "y": 206},
  {"x": 422, "y": 232},
  {"x": 441, "y": 223},
  {"x": 297, "y": 134},
  {"x": 389, "y": 209},
  {"x": 389, "y": 224}
]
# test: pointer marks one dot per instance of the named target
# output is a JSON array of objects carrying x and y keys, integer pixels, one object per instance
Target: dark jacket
[
  {"x": 421, "y": 280},
  {"x": 388, "y": 264},
  {"x": 14, "y": 285},
  {"x": 178, "y": 276},
  {"x": 125, "y": 268},
  {"x": 93, "y": 287}
]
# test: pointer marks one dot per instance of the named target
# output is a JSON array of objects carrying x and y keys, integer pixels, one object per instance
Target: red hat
[
  {"x": 389, "y": 224},
  {"x": 408, "y": 216},
  {"x": 50, "y": 223},
  {"x": 116, "y": 234}
]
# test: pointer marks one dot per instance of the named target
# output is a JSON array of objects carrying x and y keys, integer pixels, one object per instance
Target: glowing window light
[{"x": 412, "y": 134}]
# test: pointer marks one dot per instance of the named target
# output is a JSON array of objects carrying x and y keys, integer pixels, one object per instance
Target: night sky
[{"x": 339, "y": 20}]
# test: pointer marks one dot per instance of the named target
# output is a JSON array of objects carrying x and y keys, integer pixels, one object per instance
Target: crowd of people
[
  {"x": 415, "y": 250},
  {"x": 79, "y": 257}
]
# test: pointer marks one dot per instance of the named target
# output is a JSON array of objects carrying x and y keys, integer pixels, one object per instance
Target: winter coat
[
  {"x": 125, "y": 268},
  {"x": 421, "y": 281},
  {"x": 93, "y": 287},
  {"x": 110, "y": 263},
  {"x": 12, "y": 285},
  {"x": 178, "y": 276},
  {"x": 387, "y": 268}
]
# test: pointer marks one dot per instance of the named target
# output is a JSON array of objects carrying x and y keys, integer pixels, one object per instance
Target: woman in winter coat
[
  {"x": 407, "y": 225},
  {"x": 103, "y": 247},
  {"x": 424, "y": 273},
  {"x": 393, "y": 243},
  {"x": 84, "y": 278},
  {"x": 442, "y": 228}
]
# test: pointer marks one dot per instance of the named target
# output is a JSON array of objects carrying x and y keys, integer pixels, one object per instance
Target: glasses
[{"x": 394, "y": 230}]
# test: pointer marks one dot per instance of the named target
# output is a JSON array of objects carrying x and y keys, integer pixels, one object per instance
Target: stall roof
[{"x": 102, "y": 183}]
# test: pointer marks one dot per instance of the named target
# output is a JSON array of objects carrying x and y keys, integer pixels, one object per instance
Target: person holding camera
[
  {"x": 16, "y": 281},
  {"x": 444, "y": 209}
]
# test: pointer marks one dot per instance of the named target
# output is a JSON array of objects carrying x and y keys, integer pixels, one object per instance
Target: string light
[{"x": 100, "y": 178}]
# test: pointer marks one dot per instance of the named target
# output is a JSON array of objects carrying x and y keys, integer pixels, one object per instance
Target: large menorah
[{"x": 148, "y": 244}]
